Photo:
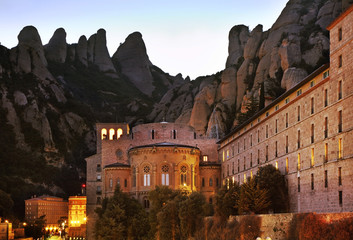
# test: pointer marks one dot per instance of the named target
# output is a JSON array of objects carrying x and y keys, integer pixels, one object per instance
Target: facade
[
  {"x": 306, "y": 133},
  {"x": 149, "y": 155},
  {"x": 77, "y": 216},
  {"x": 53, "y": 208}
]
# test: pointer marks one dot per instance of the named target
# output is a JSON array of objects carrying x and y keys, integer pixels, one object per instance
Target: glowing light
[{"x": 84, "y": 219}]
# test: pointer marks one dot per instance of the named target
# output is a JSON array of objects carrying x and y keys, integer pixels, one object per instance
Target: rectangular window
[
  {"x": 340, "y": 176},
  {"x": 298, "y": 184},
  {"x": 286, "y": 120},
  {"x": 266, "y": 131},
  {"x": 312, "y": 181},
  {"x": 99, "y": 177},
  {"x": 340, "y": 34},
  {"x": 312, "y": 133},
  {"x": 312, "y": 105},
  {"x": 205, "y": 158},
  {"x": 287, "y": 166},
  {"x": 326, "y": 127},
  {"x": 326, "y": 74},
  {"x": 276, "y": 126},
  {"x": 312, "y": 158},
  {"x": 325, "y": 98},
  {"x": 267, "y": 114},
  {"x": 99, "y": 169},
  {"x": 232, "y": 150},
  {"x": 203, "y": 182},
  {"x": 258, "y": 156},
  {"x": 298, "y": 113},
  {"x": 276, "y": 153},
  {"x": 312, "y": 83},
  {"x": 298, "y": 167},
  {"x": 340, "y": 121},
  {"x": 244, "y": 163},
  {"x": 340, "y": 198},
  {"x": 238, "y": 165},
  {"x": 244, "y": 144},
  {"x": 266, "y": 153},
  {"x": 299, "y": 92},
  {"x": 287, "y": 100},
  {"x": 326, "y": 153},
  {"x": 238, "y": 147},
  {"x": 276, "y": 165},
  {"x": 326, "y": 179},
  {"x": 227, "y": 154},
  {"x": 276, "y": 107},
  {"x": 251, "y": 140},
  {"x": 251, "y": 160},
  {"x": 287, "y": 144},
  {"x": 340, "y": 148},
  {"x": 298, "y": 138},
  {"x": 223, "y": 156},
  {"x": 258, "y": 136},
  {"x": 340, "y": 61},
  {"x": 339, "y": 90},
  {"x": 232, "y": 167}
]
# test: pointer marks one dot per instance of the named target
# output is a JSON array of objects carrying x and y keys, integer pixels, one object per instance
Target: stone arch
[{"x": 104, "y": 133}]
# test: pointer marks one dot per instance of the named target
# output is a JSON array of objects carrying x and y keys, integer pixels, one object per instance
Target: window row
[{"x": 230, "y": 152}]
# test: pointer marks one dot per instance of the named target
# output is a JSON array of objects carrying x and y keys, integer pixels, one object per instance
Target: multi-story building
[
  {"x": 53, "y": 208},
  {"x": 306, "y": 133},
  {"x": 77, "y": 216},
  {"x": 152, "y": 154}
]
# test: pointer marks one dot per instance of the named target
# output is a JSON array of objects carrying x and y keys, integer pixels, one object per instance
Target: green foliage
[
  {"x": 253, "y": 199},
  {"x": 269, "y": 178},
  {"x": 120, "y": 218}
]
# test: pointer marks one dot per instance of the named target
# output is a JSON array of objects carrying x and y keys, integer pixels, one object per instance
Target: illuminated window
[
  {"x": 287, "y": 166},
  {"x": 111, "y": 134},
  {"x": 165, "y": 175},
  {"x": 326, "y": 153},
  {"x": 120, "y": 132},
  {"x": 251, "y": 175},
  {"x": 183, "y": 171},
  {"x": 223, "y": 156},
  {"x": 227, "y": 153},
  {"x": 298, "y": 162},
  {"x": 104, "y": 134},
  {"x": 146, "y": 176},
  {"x": 312, "y": 158},
  {"x": 205, "y": 158},
  {"x": 276, "y": 165},
  {"x": 244, "y": 177}
]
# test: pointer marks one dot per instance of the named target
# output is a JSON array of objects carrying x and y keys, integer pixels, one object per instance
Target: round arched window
[
  {"x": 183, "y": 169},
  {"x": 146, "y": 169},
  {"x": 165, "y": 168}
]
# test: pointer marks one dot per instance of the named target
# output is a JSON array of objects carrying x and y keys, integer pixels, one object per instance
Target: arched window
[
  {"x": 211, "y": 182},
  {"x": 165, "y": 175},
  {"x": 146, "y": 202},
  {"x": 104, "y": 134},
  {"x": 111, "y": 134},
  {"x": 146, "y": 176},
  {"x": 183, "y": 171},
  {"x": 120, "y": 132}
]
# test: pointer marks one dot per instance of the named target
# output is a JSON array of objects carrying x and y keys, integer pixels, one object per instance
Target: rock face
[
  {"x": 134, "y": 62},
  {"x": 56, "y": 49}
]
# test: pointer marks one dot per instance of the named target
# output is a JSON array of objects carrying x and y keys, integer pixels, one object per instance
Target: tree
[
  {"x": 191, "y": 214},
  {"x": 269, "y": 178},
  {"x": 252, "y": 107},
  {"x": 168, "y": 220},
  {"x": 159, "y": 197},
  {"x": 121, "y": 217},
  {"x": 226, "y": 201},
  {"x": 252, "y": 199}
]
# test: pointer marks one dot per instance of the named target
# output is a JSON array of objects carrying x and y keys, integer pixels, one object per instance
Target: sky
[{"x": 184, "y": 36}]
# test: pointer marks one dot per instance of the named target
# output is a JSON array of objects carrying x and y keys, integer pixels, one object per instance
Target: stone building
[
  {"x": 53, "y": 208},
  {"x": 77, "y": 217},
  {"x": 306, "y": 133},
  {"x": 149, "y": 155}
]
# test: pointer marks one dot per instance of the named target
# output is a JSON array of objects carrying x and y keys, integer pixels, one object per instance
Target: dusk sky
[{"x": 188, "y": 37}]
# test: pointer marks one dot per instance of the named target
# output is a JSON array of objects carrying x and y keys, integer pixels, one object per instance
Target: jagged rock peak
[
  {"x": 238, "y": 36},
  {"x": 134, "y": 62},
  {"x": 81, "y": 50},
  {"x": 56, "y": 49}
]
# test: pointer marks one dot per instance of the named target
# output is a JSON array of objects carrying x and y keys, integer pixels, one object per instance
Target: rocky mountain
[{"x": 51, "y": 95}]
